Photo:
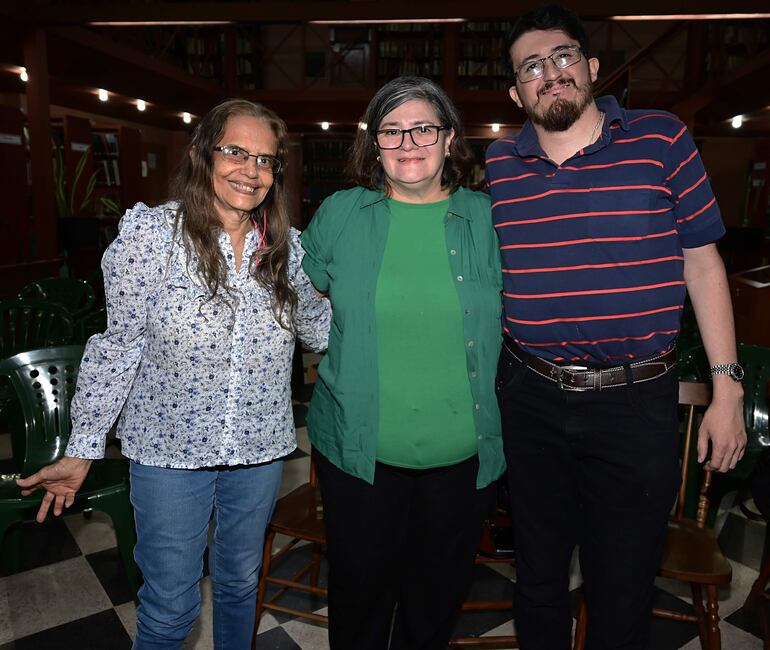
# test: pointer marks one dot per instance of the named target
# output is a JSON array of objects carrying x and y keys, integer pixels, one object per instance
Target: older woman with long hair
[
  {"x": 205, "y": 296},
  {"x": 404, "y": 416}
]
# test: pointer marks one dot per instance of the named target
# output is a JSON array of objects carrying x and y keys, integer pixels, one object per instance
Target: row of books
[
  {"x": 108, "y": 172},
  {"x": 493, "y": 46},
  {"x": 104, "y": 143},
  {"x": 495, "y": 68},
  {"x": 482, "y": 27},
  {"x": 410, "y": 49},
  {"x": 392, "y": 67}
]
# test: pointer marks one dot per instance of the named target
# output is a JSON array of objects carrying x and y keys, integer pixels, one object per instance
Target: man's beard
[{"x": 562, "y": 113}]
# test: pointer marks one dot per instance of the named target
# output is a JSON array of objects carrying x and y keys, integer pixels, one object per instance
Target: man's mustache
[{"x": 563, "y": 81}]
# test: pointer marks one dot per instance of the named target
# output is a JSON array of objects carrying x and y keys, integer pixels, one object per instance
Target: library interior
[{"x": 98, "y": 101}]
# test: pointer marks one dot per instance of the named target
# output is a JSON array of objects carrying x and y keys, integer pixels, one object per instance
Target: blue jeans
[{"x": 173, "y": 508}]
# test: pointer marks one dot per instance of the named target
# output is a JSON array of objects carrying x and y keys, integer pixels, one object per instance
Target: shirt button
[
  {"x": 467, "y": 312},
  {"x": 453, "y": 252},
  {"x": 481, "y": 437},
  {"x": 471, "y": 344},
  {"x": 473, "y": 373},
  {"x": 459, "y": 278},
  {"x": 478, "y": 407}
]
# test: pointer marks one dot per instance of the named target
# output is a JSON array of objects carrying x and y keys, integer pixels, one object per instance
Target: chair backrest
[
  {"x": 30, "y": 325},
  {"x": 694, "y": 398},
  {"x": 76, "y": 296},
  {"x": 44, "y": 383}
]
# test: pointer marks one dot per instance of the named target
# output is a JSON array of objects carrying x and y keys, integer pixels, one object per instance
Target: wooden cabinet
[{"x": 750, "y": 292}]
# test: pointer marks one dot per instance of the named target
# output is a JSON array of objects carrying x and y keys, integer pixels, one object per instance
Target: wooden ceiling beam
[{"x": 279, "y": 11}]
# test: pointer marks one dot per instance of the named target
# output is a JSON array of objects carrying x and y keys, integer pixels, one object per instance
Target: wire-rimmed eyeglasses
[
  {"x": 563, "y": 58},
  {"x": 424, "y": 135},
  {"x": 240, "y": 156}
]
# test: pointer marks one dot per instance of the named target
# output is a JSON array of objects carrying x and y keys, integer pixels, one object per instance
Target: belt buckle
[{"x": 558, "y": 371}]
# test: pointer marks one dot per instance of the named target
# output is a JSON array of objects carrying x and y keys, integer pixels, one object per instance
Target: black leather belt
[{"x": 581, "y": 378}]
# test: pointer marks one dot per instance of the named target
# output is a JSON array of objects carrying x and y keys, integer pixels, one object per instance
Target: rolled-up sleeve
[{"x": 132, "y": 267}]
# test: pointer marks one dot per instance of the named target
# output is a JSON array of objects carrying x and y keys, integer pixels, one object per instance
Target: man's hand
[
  {"x": 723, "y": 425},
  {"x": 60, "y": 480}
]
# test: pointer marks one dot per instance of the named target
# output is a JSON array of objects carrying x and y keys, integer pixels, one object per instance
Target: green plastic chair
[
  {"x": 76, "y": 296},
  {"x": 44, "y": 382},
  {"x": 756, "y": 363},
  {"x": 29, "y": 325}
]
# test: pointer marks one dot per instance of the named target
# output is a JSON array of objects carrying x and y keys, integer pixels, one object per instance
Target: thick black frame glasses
[
  {"x": 426, "y": 137},
  {"x": 563, "y": 58},
  {"x": 240, "y": 156}
]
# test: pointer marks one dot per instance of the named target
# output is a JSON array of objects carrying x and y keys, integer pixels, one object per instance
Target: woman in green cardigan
[{"x": 404, "y": 417}]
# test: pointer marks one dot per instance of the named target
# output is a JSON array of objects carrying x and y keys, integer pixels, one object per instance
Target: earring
[{"x": 378, "y": 159}]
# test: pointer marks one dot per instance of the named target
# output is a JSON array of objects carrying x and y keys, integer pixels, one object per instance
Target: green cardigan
[{"x": 344, "y": 245}]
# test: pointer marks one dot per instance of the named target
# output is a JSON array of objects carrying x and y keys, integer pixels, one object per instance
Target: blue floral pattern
[{"x": 197, "y": 382}]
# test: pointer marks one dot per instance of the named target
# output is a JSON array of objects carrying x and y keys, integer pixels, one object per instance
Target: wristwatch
[{"x": 732, "y": 370}]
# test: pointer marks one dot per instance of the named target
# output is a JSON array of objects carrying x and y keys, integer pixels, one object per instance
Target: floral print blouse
[{"x": 196, "y": 382}]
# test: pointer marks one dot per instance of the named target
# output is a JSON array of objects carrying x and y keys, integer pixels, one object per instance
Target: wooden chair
[
  {"x": 691, "y": 553},
  {"x": 491, "y": 552},
  {"x": 756, "y": 363},
  {"x": 299, "y": 516}
]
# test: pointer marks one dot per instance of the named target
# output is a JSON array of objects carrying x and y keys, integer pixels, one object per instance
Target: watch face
[{"x": 736, "y": 371}]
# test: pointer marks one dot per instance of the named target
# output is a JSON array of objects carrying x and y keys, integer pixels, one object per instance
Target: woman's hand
[{"x": 60, "y": 480}]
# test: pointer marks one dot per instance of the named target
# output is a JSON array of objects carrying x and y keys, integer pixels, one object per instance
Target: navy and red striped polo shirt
[{"x": 592, "y": 248}]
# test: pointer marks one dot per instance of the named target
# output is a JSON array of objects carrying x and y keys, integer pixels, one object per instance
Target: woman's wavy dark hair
[
  {"x": 200, "y": 227},
  {"x": 364, "y": 168}
]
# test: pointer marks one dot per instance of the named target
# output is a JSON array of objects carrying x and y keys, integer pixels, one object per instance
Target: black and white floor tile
[{"x": 71, "y": 592}]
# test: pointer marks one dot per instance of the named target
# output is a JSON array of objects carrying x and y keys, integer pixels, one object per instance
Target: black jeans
[
  {"x": 598, "y": 469},
  {"x": 408, "y": 541}
]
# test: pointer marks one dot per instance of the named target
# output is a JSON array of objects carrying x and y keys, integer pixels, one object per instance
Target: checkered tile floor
[{"x": 71, "y": 592}]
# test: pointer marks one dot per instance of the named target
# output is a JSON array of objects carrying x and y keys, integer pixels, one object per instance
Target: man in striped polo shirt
[{"x": 605, "y": 217}]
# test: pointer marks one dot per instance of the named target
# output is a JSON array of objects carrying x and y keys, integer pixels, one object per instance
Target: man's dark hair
[{"x": 548, "y": 17}]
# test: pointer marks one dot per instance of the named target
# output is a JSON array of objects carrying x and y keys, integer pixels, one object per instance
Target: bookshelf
[
  {"x": 415, "y": 49},
  {"x": 248, "y": 57},
  {"x": 204, "y": 53},
  {"x": 113, "y": 157},
  {"x": 479, "y": 148},
  {"x": 324, "y": 160},
  {"x": 117, "y": 154},
  {"x": 72, "y": 138},
  {"x": 480, "y": 56},
  {"x": 106, "y": 150}
]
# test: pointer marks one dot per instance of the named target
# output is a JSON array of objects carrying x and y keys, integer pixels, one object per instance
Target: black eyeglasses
[
  {"x": 563, "y": 58},
  {"x": 239, "y": 156},
  {"x": 424, "y": 135}
]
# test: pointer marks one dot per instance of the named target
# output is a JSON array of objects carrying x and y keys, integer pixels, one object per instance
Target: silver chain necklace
[{"x": 596, "y": 126}]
